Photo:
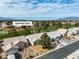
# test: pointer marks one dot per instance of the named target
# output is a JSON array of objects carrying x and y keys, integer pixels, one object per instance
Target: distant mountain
[
  {"x": 7, "y": 18},
  {"x": 60, "y": 19},
  {"x": 69, "y": 19},
  {"x": 4, "y": 18}
]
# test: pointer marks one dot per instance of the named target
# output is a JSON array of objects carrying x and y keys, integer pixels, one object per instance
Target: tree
[
  {"x": 24, "y": 32},
  {"x": 67, "y": 25},
  {"x": 27, "y": 32},
  {"x": 76, "y": 24},
  {"x": 45, "y": 41}
]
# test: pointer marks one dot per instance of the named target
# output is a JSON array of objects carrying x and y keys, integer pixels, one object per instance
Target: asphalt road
[{"x": 62, "y": 52}]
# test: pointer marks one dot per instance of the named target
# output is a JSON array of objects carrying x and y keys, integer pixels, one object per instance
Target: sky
[{"x": 39, "y": 9}]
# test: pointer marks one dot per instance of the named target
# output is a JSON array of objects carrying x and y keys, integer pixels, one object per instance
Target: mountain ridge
[
  {"x": 69, "y": 19},
  {"x": 72, "y": 18}
]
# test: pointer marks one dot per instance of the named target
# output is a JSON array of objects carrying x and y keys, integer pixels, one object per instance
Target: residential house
[
  {"x": 62, "y": 31},
  {"x": 19, "y": 42},
  {"x": 34, "y": 39},
  {"x": 54, "y": 37},
  {"x": 10, "y": 49},
  {"x": 72, "y": 31}
]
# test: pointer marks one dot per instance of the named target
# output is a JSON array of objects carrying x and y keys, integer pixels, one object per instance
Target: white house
[
  {"x": 72, "y": 31},
  {"x": 34, "y": 39},
  {"x": 54, "y": 35},
  {"x": 14, "y": 41}
]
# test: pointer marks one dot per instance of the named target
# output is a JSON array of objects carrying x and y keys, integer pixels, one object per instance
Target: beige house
[
  {"x": 62, "y": 31},
  {"x": 19, "y": 42}
]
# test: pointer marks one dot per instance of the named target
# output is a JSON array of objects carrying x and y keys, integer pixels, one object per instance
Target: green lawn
[{"x": 34, "y": 30}]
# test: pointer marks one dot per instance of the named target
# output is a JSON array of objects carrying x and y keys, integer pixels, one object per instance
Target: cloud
[{"x": 33, "y": 9}]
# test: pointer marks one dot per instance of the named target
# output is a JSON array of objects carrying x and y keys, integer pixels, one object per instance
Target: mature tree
[
  {"x": 76, "y": 24},
  {"x": 67, "y": 25},
  {"x": 45, "y": 41},
  {"x": 2, "y": 36}
]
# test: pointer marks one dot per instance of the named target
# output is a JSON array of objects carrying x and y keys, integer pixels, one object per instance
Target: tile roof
[{"x": 13, "y": 40}]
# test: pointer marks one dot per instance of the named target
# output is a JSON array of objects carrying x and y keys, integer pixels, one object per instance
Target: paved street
[{"x": 62, "y": 52}]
